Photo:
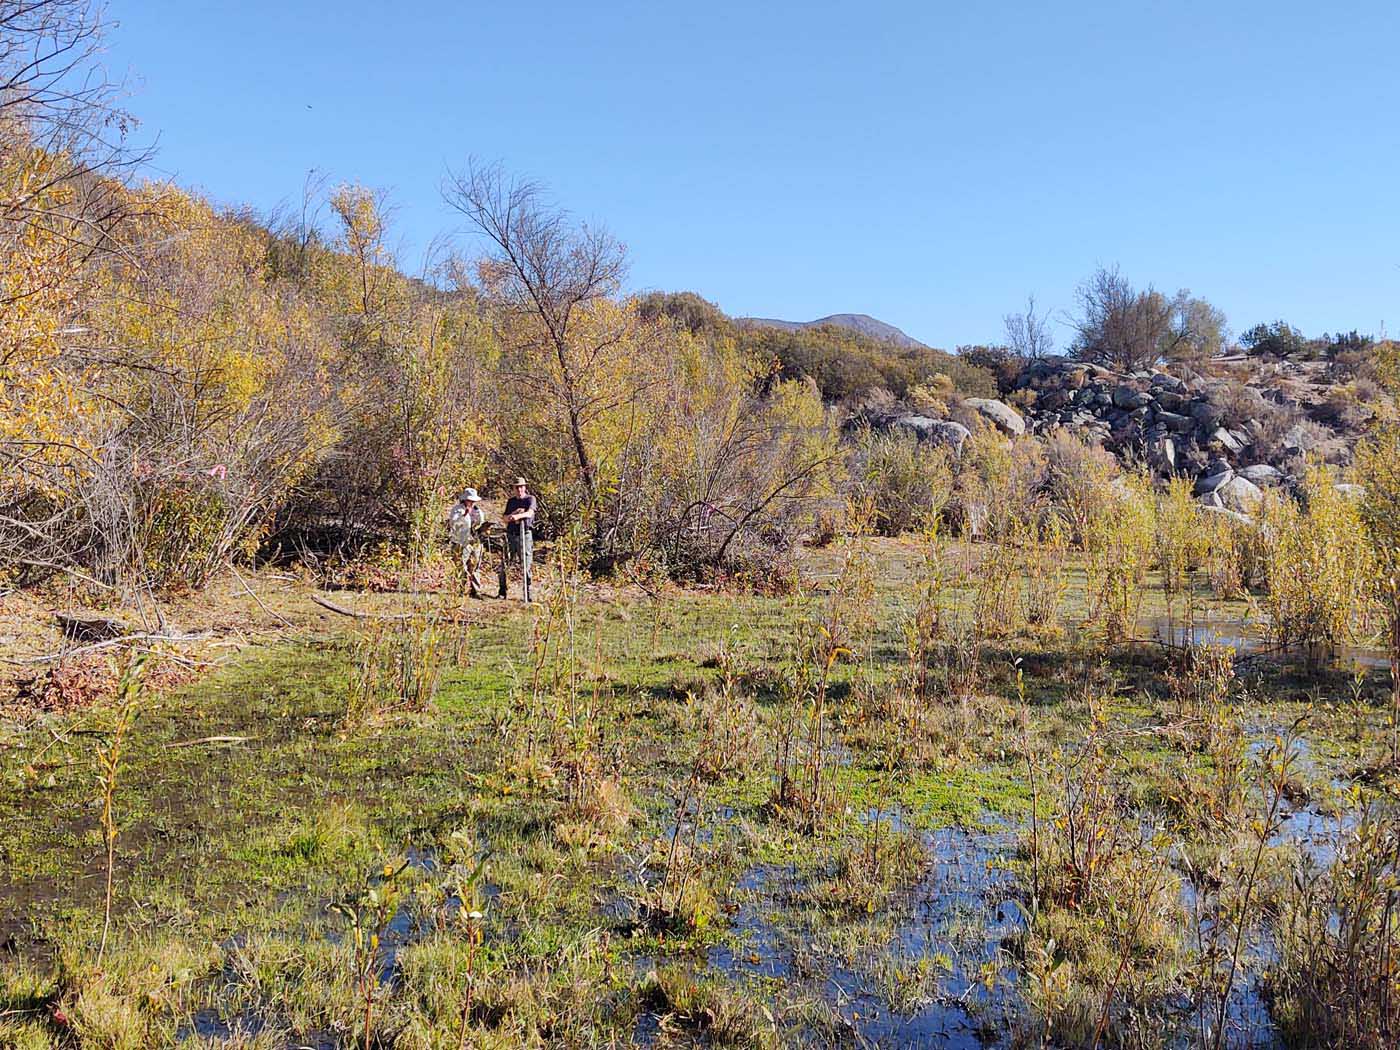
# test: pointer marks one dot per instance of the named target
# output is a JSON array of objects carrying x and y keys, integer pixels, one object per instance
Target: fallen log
[
  {"x": 326, "y": 603},
  {"x": 87, "y": 627}
]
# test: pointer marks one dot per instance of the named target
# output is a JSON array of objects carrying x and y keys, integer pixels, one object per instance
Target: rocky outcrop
[
  {"x": 1235, "y": 433},
  {"x": 1197, "y": 426}
]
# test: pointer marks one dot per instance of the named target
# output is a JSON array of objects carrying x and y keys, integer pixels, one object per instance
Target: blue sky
[{"x": 927, "y": 163}]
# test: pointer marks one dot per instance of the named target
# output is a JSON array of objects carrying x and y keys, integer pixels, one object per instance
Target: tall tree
[{"x": 551, "y": 276}]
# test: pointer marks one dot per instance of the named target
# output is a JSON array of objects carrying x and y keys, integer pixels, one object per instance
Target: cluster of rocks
[
  {"x": 1180, "y": 429},
  {"x": 1174, "y": 425},
  {"x": 1222, "y": 487}
]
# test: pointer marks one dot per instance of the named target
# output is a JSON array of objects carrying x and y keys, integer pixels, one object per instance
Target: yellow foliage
[
  {"x": 1181, "y": 538},
  {"x": 1317, "y": 565},
  {"x": 1119, "y": 539}
]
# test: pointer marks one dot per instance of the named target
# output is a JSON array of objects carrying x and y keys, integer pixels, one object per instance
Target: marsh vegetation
[
  {"x": 855, "y": 708},
  {"x": 1009, "y": 792}
]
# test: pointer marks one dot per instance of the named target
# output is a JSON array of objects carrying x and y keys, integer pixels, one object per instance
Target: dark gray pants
[{"x": 519, "y": 547}]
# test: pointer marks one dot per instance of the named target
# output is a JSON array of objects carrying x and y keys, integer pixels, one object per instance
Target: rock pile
[
  {"x": 1235, "y": 437},
  {"x": 1175, "y": 426}
]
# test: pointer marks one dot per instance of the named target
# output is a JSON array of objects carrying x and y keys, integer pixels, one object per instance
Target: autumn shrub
[
  {"x": 1120, "y": 538},
  {"x": 933, "y": 396},
  {"x": 1078, "y": 479},
  {"x": 1337, "y": 982},
  {"x": 997, "y": 611},
  {"x": 906, "y": 483},
  {"x": 1233, "y": 554},
  {"x": 1317, "y": 566},
  {"x": 1378, "y": 468},
  {"x": 211, "y": 403},
  {"x": 999, "y": 483},
  {"x": 1044, "y": 554},
  {"x": 1181, "y": 540}
]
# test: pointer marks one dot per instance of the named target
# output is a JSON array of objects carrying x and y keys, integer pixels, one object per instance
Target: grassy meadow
[{"x": 836, "y": 816}]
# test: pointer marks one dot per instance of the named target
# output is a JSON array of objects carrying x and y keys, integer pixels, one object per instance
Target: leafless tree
[
  {"x": 1119, "y": 326},
  {"x": 57, "y": 101},
  {"x": 544, "y": 270},
  {"x": 1028, "y": 334}
]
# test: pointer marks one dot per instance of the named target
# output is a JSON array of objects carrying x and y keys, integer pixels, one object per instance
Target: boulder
[
  {"x": 1212, "y": 482},
  {"x": 1128, "y": 398},
  {"x": 1174, "y": 422},
  {"x": 1239, "y": 494},
  {"x": 1217, "y": 465},
  {"x": 1262, "y": 474},
  {"x": 1206, "y": 414},
  {"x": 1161, "y": 454},
  {"x": 1233, "y": 515},
  {"x": 1167, "y": 383},
  {"x": 1298, "y": 439},
  {"x": 1170, "y": 400},
  {"x": 1225, "y": 439},
  {"x": 941, "y": 433},
  {"x": 948, "y": 433},
  {"x": 1353, "y": 491},
  {"x": 1003, "y": 416}
]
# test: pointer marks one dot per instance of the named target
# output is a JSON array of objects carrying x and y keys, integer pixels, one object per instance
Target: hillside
[
  {"x": 848, "y": 356},
  {"x": 861, "y": 324}
]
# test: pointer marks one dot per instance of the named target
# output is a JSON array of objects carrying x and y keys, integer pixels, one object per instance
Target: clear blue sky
[{"x": 929, "y": 163}]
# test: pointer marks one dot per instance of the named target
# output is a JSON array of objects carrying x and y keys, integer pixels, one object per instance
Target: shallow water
[
  {"x": 958, "y": 912},
  {"x": 1247, "y": 638}
]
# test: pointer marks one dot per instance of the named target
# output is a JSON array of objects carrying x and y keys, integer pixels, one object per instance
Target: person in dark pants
[{"x": 519, "y": 520}]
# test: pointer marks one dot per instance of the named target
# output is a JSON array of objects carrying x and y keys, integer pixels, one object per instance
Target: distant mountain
[{"x": 864, "y": 324}]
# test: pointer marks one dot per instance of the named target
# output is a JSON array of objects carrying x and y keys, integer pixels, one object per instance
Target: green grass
[{"x": 230, "y": 855}]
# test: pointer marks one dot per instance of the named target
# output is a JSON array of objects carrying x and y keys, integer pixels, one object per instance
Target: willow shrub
[
  {"x": 1317, "y": 567},
  {"x": 1181, "y": 540},
  {"x": 1378, "y": 467},
  {"x": 1120, "y": 538},
  {"x": 906, "y": 483}
]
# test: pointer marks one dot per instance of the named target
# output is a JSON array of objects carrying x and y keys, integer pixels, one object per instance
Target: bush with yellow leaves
[{"x": 1317, "y": 567}]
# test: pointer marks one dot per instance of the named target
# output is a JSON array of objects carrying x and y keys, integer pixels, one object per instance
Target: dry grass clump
[
  {"x": 1104, "y": 932},
  {"x": 1338, "y": 981},
  {"x": 398, "y": 666},
  {"x": 907, "y": 483},
  {"x": 1079, "y": 480},
  {"x": 706, "y": 1009},
  {"x": 999, "y": 482}
]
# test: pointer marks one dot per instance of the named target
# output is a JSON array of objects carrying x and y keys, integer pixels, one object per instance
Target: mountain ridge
[{"x": 863, "y": 324}]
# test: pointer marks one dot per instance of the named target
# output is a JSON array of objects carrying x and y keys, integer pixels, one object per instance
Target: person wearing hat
[
  {"x": 464, "y": 524},
  {"x": 519, "y": 520}
]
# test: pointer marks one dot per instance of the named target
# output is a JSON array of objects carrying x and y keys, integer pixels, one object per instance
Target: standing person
[
  {"x": 519, "y": 520},
  {"x": 464, "y": 526}
]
